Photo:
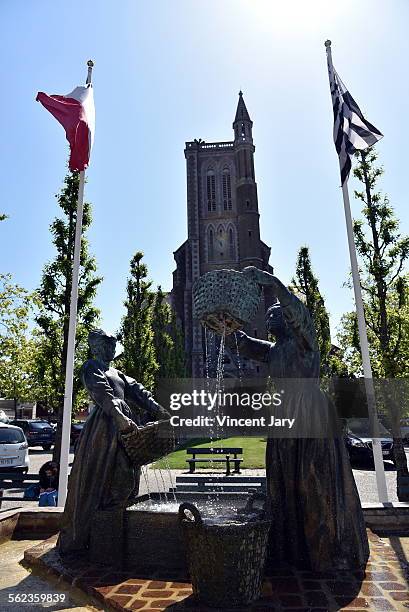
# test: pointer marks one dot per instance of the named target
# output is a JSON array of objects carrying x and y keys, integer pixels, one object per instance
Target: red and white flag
[{"x": 76, "y": 113}]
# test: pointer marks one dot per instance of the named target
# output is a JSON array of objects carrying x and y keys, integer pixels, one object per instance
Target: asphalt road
[{"x": 38, "y": 457}]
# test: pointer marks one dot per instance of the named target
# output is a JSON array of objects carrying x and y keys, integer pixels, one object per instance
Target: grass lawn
[{"x": 253, "y": 453}]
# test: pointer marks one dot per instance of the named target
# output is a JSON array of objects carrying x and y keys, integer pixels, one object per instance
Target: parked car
[
  {"x": 3, "y": 417},
  {"x": 358, "y": 440},
  {"x": 13, "y": 449},
  {"x": 37, "y": 432}
]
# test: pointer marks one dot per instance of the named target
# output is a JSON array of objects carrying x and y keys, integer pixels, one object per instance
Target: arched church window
[
  {"x": 211, "y": 191},
  {"x": 243, "y": 129},
  {"x": 221, "y": 243},
  {"x": 226, "y": 184},
  {"x": 231, "y": 244},
  {"x": 210, "y": 246}
]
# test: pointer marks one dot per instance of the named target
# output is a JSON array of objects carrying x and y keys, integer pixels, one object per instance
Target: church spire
[
  {"x": 242, "y": 124},
  {"x": 242, "y": 113}
]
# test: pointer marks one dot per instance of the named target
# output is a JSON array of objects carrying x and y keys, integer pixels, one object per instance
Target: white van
[{"x": 13, "y": 449}]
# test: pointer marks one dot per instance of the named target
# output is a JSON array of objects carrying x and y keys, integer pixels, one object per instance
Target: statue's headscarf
[
  {"x": 298, "y": 317},
  {"x": 97, "y": 337}
]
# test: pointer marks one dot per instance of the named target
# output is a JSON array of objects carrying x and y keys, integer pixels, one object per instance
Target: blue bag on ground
[
  {"x": 32, "y": 492},
  {"x": 48, "y": 498}
]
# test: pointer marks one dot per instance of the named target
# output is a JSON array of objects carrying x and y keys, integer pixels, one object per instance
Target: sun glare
[{"x": 293, "y": 15}]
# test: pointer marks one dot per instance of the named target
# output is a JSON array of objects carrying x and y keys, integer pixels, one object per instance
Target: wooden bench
[
  {"x": 205, "y": 483},
  {"x": 16, "y": 480},
  {"x": 228, "y": 459}
]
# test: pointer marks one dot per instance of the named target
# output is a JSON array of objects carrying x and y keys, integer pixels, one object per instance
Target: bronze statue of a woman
[
  {"x": 317, "y": 519},
  {"x": 103, "y": 476}
]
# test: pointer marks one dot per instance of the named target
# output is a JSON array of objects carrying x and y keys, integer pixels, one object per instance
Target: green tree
[
  {"x": 383, "y": 253},
  {"x": 305, "y": 285},
  {"x": 168, "y": 340},
  {"x": 176, "y": 332},
  {"x": 162, "y": 340},
  {"x": 17, "y": 349},
  {"x": 136, "y": 333},
  {"x": 398, "y": 323},
  {"x": 55, "y": 296},
  {"x": 2, "y": 217}
]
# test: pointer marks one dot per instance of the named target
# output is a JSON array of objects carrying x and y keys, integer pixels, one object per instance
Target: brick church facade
[{"x": 223, "y": 230}]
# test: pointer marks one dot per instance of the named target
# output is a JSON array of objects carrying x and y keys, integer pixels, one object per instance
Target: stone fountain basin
[{"x": 147, "y": 536}]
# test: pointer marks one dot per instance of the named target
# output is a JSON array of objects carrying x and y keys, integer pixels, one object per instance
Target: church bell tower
[{"x": 223, "y": 228}]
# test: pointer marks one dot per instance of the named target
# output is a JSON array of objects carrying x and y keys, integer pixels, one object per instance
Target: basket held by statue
[
  {"x": 225, "y": 560},
  {"x": 147, "y": 443},
  {"x": 225, "y": 300}
]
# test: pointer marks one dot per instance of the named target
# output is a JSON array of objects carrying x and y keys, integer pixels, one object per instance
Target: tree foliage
[
  {"x": 398, "y": 325},
  {"x": 55, "y": 296},
  {"x": 383, "y": 254},
  {"x": 17, "y": 348},
  {"x": 176, "y": 332},
  {"x": 305, "y": 285},
  {"x": 168, "y": 339},
  {"x": 136, "y": 333}
]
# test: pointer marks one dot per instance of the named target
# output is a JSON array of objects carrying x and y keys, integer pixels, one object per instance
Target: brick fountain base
[{"x": 383, "y": 585}]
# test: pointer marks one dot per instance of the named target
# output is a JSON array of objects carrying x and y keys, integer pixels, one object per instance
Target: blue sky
[{"x": 168, "y": 71}]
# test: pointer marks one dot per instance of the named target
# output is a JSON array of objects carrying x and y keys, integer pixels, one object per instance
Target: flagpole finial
[
  {"x": 90, "y": 65},
  {"x": 327, "y": 43}
]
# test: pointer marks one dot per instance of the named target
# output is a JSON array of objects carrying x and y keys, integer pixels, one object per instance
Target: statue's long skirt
[
  {"x": 101, "y": 477},
  {"x": 317, "y": 520}
]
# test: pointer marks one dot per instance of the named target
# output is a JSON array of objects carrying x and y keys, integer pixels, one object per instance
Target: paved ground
[
  {"x": 18, "y": 582},
  {"x": 162, "y": 480},
  {"x": 38, "y": 457},
  {"x": 382, "y": 586}
]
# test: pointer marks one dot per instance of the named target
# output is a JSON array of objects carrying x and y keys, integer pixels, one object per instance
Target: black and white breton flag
[{"x": 352, "y": 132}]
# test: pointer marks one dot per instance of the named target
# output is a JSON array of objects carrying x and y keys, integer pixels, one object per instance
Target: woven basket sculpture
[
  {"x": 225, "y": 561},
  {"x": 147, "y": 443},
  {"x": 225, "y": 300}
]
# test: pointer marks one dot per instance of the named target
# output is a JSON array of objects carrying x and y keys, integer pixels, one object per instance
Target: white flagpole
[
  {"x": 363, "y": 337},
  {"x": 69, "y": 371}
]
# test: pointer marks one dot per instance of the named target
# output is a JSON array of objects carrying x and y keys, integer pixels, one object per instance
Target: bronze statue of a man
[
  {"x": 317, "y": 518},
  {"x": 102, "y": 476}
]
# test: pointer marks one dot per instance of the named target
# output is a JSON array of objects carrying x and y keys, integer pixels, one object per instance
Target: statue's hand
[
  {"x": 121, "y": 421},
  {"x": 257, "y": 275}
]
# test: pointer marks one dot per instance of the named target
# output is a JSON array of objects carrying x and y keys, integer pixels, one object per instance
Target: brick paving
[{"x": 382, "y": 586}]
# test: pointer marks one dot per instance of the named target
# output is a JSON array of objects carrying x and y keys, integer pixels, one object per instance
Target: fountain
[
  {"x": 147, "y": 536},
  {"x": 309, "y": 525},
  {"x": 311, "y": 515}
]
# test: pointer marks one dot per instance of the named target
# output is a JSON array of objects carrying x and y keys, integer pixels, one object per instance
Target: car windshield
[
  {"x": 11, "y": 436},
  {"x": 39, "y": 425},
  {"x": 360, "y": 427}
]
